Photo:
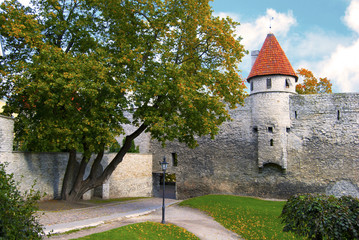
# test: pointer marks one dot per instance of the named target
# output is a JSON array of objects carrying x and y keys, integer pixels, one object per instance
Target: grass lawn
[
  {"x": 249, "y": 217},
  {"x": 144, "y": 231}
]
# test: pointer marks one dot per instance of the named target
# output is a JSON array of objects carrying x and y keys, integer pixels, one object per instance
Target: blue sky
[{"x": 320, "y": 35}]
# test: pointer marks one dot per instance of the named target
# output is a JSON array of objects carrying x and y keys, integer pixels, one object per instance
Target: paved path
[{"x": 110, "y": 216}]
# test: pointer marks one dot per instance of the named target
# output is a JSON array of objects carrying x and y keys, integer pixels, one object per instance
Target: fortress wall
[
  {"x": 324, "y": 141},
  {"x": 215, "y": 166},
  {"x": 322, "y": 153}
]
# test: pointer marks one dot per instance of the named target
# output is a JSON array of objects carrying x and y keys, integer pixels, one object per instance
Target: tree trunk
[
  {"x": 69, "y": 175},
  {"x": 79, "y": 186}
]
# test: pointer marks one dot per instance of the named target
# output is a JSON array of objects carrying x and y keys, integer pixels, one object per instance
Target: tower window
[
  {"x": 270, "y": 129},
  {"x": 174, "y": 159},
  {"x": 338, "y": 115},
  {"x": 295, "y": 114},
  {"x": 255, "y": 129},
  {"x": 269, "y": 83},
  {"x": 287, "y": 130},
  {"x": 271, "y": 142},
  {"x": 287, "y": 83},
  {"x": 251, "y": 85}
]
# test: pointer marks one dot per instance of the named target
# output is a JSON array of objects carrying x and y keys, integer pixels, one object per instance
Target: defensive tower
[{"x": 272, "y": 80}]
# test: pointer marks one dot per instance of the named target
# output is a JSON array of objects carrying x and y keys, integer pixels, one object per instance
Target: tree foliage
[
  {"x": 115, "y": 147},
  {"x": 311, "y": 85},
  {"x": 17, "y": 220},
  {"x": 74, "y": 67},
  {"x": 322, "y": 216}
]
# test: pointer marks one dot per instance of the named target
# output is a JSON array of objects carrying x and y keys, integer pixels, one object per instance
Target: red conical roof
[{"x": 271, "y": 60}]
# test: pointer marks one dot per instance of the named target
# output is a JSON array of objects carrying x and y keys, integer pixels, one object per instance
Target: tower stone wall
[{"x": 271, "y": 117}]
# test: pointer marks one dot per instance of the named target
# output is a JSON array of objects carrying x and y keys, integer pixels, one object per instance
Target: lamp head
[{"x": 164, "y": 164}]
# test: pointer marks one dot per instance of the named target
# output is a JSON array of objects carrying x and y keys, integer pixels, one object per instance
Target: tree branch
[{"x": 119, "y": 156}]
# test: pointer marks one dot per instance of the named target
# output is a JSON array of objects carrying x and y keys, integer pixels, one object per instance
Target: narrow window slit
[
  {"x": 174, "y": 159},
  {"x": 287, "y": 83},
  {"x": 269, "y": 83}
]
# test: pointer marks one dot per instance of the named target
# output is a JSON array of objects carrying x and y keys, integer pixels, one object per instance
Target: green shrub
[
  {"x": 17, "y": 220},
  {"x": 318, "y": 216}
]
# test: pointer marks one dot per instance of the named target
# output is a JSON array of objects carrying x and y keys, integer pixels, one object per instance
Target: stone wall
[
  {"x": 324, "y": 143},
  {"x": 215, "y": 166},
  {"x": 6, "y": 134},
  {"x": 47, "y": 169},
  {"x": 322, "y": 153},
  {"x": 132, "y": 178}
]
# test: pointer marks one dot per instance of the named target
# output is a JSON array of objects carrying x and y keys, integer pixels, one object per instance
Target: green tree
[
  {"x": 74, "y": 67},
  {"x": 17, "y": 220},
  {"x": 311, "y": 85}
]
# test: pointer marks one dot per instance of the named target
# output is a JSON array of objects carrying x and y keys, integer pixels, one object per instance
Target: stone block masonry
[
  {"x": 132, "y": 178},
  {"x": 6, "y": 133},
  {"x": 322, "y": 152}
]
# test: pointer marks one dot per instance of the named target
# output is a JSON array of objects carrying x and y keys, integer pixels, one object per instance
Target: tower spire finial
[{"x": 270, "y": 24}]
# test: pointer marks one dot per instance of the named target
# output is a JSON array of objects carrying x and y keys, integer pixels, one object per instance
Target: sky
[{"x": 319, "y": 35}]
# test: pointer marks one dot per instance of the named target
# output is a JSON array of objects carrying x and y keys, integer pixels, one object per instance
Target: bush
[
  {"x": 318, "y": 216},
  {"x": 17, "y": 220}
]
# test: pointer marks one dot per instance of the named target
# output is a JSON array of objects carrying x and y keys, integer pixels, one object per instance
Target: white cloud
[
  {"x": 342, "y": 66},
  {"x": 352, "y": 16},
  {"x": 315, "y": 44},
  {"x": 254, "y": 33},
  {"x": 234, "y": 16}
]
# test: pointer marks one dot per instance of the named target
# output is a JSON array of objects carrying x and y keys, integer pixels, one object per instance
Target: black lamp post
[{"x": 164, "y": 165}]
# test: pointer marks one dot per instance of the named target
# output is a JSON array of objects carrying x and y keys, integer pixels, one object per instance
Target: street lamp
[{"x": 164, "y": 165}]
